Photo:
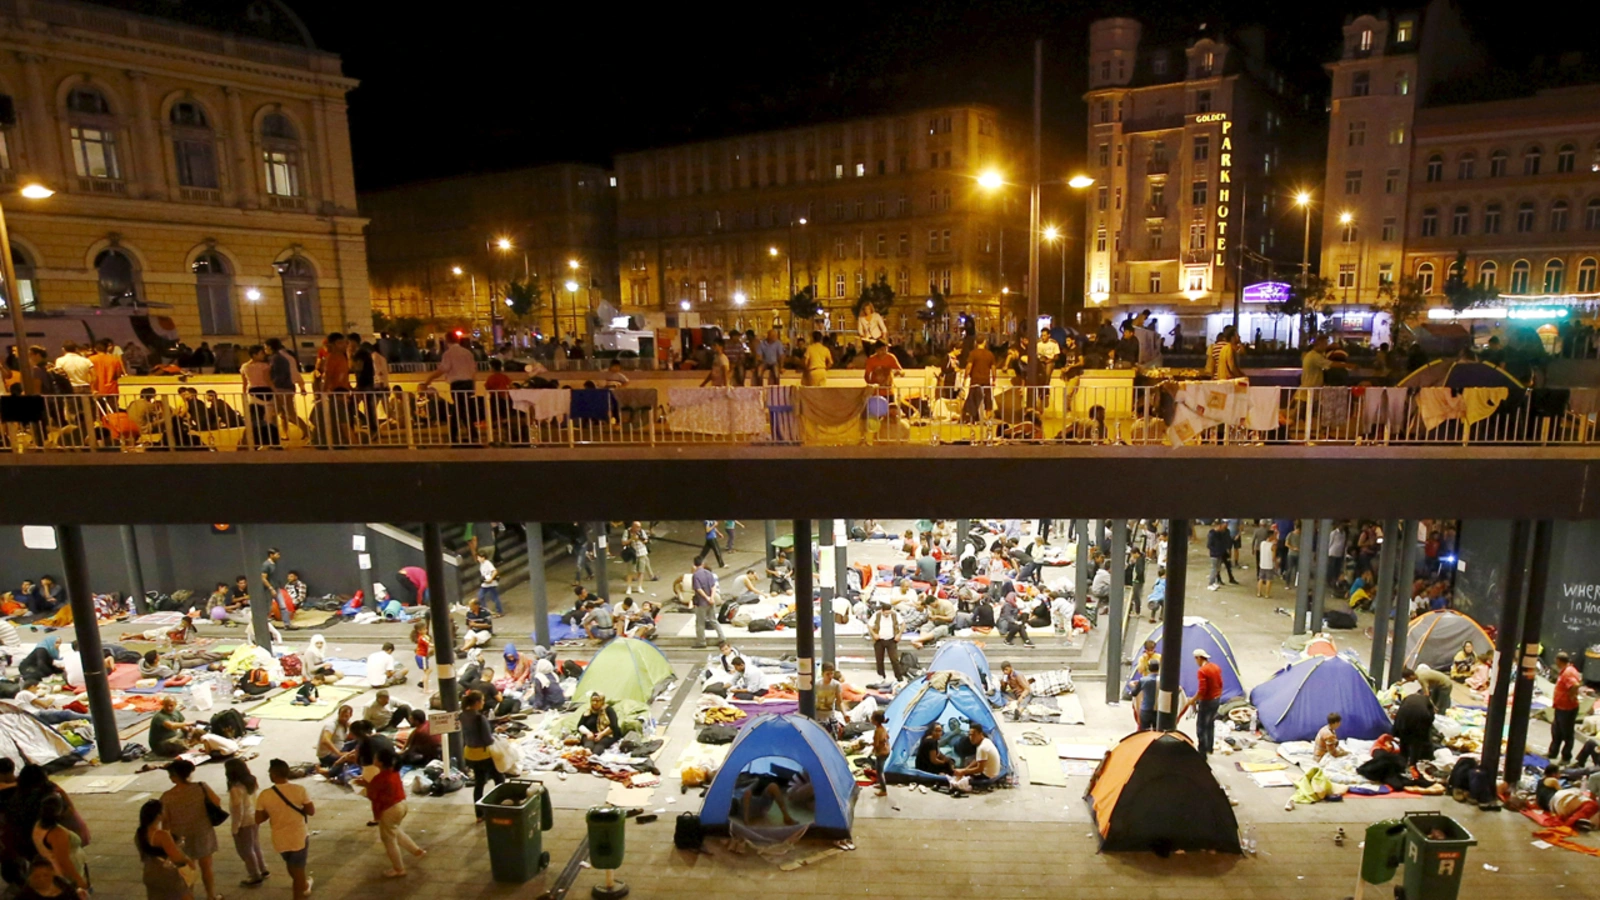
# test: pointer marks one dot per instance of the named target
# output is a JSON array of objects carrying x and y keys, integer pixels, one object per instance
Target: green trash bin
[
  {"x": 1385, "y": 847},
  {"x": 514, "y": 814},
  {"x": 1436, "y": 856},
  {"x": 605, "y": 849}
]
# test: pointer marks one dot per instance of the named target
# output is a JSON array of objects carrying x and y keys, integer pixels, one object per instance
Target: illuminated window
[
  {"x": 1155, "y": 282},
  {"x": 280, "y": 155},
  {"x": 1519, "y": 277},
  {"x": 1487, "y": 273},
  {"x": 1197, "y": 236},
  {"x": 1347, "y": 275},
  {"x": 93, "y": 134},
  {"x": 1364, "y": 43},
  {"x": 1425, "y": 277},
  {"x": 1554, "y": 271}
]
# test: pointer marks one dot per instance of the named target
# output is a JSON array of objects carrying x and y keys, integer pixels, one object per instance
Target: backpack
[
  {"x": 857, "y": 533},
  {"x": 1339, "y": 618},
  {"x": 291, "y": 664},
  {"x": 571, "y": 669},
  {"x": 757, "y": 625},
  {"x": 229, "y": 723},
  {"x": 628, "y": 555},
  {"x": 688, "y": 834},
  {"x": 908, "y": 663}
]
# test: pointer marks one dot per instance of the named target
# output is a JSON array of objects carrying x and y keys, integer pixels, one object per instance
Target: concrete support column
[
  {"x": 1402, "y": 601},
  {"x": 1528, "y": 665},
  {"x": 841, "y": 575},
  {"x": 1305, "y": 570},
  {"x": 602, "y": 580},
  {"x": 1383, "y": 601},
  {"x": 86, "y": 627},
  {"x": 828, "y": 571},
  {"x": 962, "y": 527},
  {"x": 536, "y": 582},
  {"x": 1116, "y": 555},
  {"x": 130, "y": 553},
  {"x": 804, "y": 610},
  {"x": 1172, "y": 625},
  {"x": 1080, "y": 566},
  {"x": 1319, "y": 588},
  {"x": 260, "y": 604},
  {"x": 1506, "y": 640},
  {"x": 772, "y": 535},
  {"x": 439, "y": 612}
]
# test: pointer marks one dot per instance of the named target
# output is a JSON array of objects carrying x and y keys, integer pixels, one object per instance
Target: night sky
[{"x": 480, "y": 87}]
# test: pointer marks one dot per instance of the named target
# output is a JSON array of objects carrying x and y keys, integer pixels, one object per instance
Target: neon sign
[
  {"x": 1206, "y": 118},
  {"x": 1224, "y": 189},
  {"x": 1266, "y": 292}
]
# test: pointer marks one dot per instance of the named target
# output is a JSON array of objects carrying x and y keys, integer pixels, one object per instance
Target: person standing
[
  {"x": 163, "y": 860},
  {"x": 286, "y": 808},
  {"x": 1207, "y": 698},
  {"x": 1291, "y": 571},
  {"x": 286, "y": 383},
  {"x": 1219, "y": 546},
  {"x": 980, "y": 383},
  {"x": 1266, "y": 561},
  {"x": 1336, "y": 545},
  {"x": 704, "y": 582},
  {"x": 489, "y": 586},
  {"x": 885, "y": 628},
  {"x": 184, "y": 808},
  {"x": 818, "y": 359},
  {"x": 729, "y": 526},
  {"x": 1564, "y": 702},
  {"x": 477, "y": 736},
  {"x": 269, "y": 569},
  {"x": 242, "y": 789},
  {"x": 880, "y": 746},
  {"x": 387, "y": 794},
  {"x": 770, "y": 353},
  {"x": 1136, "y": 577},
  {"x": 718, "y": 374},
  {"x": 711, "y": 545},
  {"x": 459, "y": 369},
  {"x": 1149, "y": 688}
]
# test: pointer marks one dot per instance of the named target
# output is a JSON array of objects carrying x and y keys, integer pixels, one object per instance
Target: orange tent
[{"x": 1155, "y": 791}]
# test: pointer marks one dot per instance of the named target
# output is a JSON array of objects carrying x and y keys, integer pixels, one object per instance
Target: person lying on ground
[
  {"x": 759, "y": 793},
  {"x": 151, "y": 666}
]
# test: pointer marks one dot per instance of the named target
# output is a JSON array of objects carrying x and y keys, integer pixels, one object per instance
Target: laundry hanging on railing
[
  {"x": 832, "y": 415},
  {"x": 1481, "y": 402},
  {"x": 716, "y": 410},
  {"x": 1383, "y": 407},
  {"x": 1438, "y": 405},
  {"x": 1202, "y": 405},
  {"x": 543, "y": 404},
  {"x": 1263, "y": 415}
]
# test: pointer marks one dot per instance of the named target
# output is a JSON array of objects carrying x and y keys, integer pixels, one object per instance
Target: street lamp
[
  {"x": 503, "y": 243},
  {"x": 254, "y": 296},
  {"x": 1079, "y": 182},
  {"x": 19, "y": 328},
  {"x": 455, "y": 270},
  {"x": 739, "y": 298}
]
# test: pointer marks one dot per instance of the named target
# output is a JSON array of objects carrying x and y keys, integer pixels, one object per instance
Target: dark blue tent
[
  {"x": 1199, "y": 633},
  {"x": 770, "y": 742},
  {"x": 1294, "y": 704}
]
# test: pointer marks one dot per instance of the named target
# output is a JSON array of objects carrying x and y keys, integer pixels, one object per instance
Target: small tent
[
  {"x": 964, "y": 657},
  {"x": 1155, "y": 791},
  {"x": 24, "y": 739},
  {"x": 770, "y": 743},
  {"x": 626, "y": 668},
  {"x": 1294, "y": 704},
  {"x": 935, "y": 697},
  {"x": 1436, "y": 636},
  {"x": 1199, "y": 633}
]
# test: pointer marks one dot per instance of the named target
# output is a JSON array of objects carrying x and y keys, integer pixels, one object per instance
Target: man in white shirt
[
  {"x": 1048, "y": 351},
  {"x": 984, "y": 769},
  {"x": 1062, "y": 609},
  {"x": 904, "y": 593},
  {"x": 382, "y": 670},
  {"x": 747, "y": 678},
  {"x": 885, "y": 628},
  {"x": 489, "y": 584},
  {"x": 459, "y": 369},
  {"x": 78, "y": 369}
]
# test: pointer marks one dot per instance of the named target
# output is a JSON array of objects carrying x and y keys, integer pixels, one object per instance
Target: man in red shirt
[
  {"x": 880, "y": 369},
  {"x": 1565, "y": 704},
  {"x": 1207, "y": 698}
]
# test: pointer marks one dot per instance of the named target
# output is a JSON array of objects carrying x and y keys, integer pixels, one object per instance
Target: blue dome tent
[
  {"x": 1294, "y": 704},
  {"x": 935, "y": 697},
  {"x": 1199, "y": 633},
  {"x": 772, "y": 742},
  {"x": 964, "y": 657}
]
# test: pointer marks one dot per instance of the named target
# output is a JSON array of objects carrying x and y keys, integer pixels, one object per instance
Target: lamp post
[
  {"x": 1054, "y": 235},
  {"x": 788, "y": 262},
  {"x": 254, "y": 296},
  {"x": 19, "y": 327},
  {"x": 573, "y": 266}
]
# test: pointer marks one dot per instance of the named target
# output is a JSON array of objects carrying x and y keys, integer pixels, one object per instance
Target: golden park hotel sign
[{"x": 1224, "y": 182}]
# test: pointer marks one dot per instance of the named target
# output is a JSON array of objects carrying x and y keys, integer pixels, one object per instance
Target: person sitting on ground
[
  {"x": 598, "y": 623},
  {"x": 384, "y": 714},
  {"x": 941, "y": 620},
  {"x": 1327, "y": 742},
  {"x": 1011, "y": 622},
  {"x": 519, "y": 666},
  {"x": 748, "y": 681},
  {"x": 382, "y": 669},
  {"x": 170, "y": 735},
  {"x": 313, "y": 659},
  {"x": 984, "y": 770},
  {"x": 1462, "y": 665},
  {"x": 904, "y": 593},
  {"x": 598, "y": 728},
  {"x": 419, "y": 746},
  {"x": 930, "y": 756},
  {"x": 480, "y": 626},
  {"x": 1013, "y": 687},
  {"x": 757, "y": 794},
  {"x": 151, "y": 666},
  {"x": 780, "y": 575},
  {"x": 544, "y": 689},
  {"x": 335, "y": 735},
  {"x": 639, "y": 621}
]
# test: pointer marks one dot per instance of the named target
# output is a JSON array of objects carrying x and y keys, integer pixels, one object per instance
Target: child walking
[
  {"x": 246, "y": 832},
  {"x": 880, "y": 751},
  {"x": 424, "y": 649}
]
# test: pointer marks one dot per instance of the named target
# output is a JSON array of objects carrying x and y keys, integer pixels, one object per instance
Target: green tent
[{"x": 626, "y": 668}]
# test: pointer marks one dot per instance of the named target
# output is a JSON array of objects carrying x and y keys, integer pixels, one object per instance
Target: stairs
[{"x": 510, "y": 551}]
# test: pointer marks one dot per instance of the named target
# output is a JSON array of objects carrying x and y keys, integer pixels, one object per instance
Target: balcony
[
  {"x": 112, "y": 186},
  {"x": 1156, "y": 167},
  {"x": 199, "y": 195},
  {"x": 287, "y": 203},
  {"x": 1156, "y": 210}
]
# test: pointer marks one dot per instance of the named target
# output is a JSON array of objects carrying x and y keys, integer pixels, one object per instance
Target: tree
[
  {"x": 399, "y": 326},
  {"x": 1404, "y": 300},
  {"x": 1305, "y": 300},
  {"x": 878, "y": 295},
  {"x": 804, "y": 306},
  {"x": 524, "y": 296},
  {"x": 1460, "y": 293}
]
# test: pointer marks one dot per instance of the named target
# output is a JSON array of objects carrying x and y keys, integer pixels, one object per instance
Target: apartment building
[{"x": 730, "y": 229}]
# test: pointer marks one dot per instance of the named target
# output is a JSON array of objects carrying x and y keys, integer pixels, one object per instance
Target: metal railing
[{"x": 927, "y": 413}]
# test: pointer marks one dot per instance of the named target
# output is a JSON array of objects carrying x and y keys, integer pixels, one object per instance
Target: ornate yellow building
[
  {"x": 728, "y": 229},
  {"x": 191, "y": 166}
]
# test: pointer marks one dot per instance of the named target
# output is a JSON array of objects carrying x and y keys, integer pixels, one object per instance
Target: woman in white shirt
[{"x": 242, "y": 809}]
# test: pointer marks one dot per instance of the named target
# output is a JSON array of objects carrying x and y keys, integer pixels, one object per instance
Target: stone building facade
[{"x": 192, "y": 165}]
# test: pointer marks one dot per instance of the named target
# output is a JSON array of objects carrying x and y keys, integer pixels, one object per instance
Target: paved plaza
[{"x": 1031, "y": 841}]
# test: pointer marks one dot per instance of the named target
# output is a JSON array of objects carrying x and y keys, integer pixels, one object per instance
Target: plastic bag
[
  {"x": 507, "y": 756},
  {"x": 200, "y": 694}
]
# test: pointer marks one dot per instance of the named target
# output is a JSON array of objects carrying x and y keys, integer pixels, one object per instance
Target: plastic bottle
[{"x": 1247, "y": 838}]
